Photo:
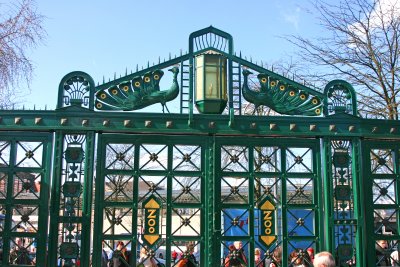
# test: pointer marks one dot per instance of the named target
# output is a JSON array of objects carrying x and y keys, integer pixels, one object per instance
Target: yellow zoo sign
[
  {"x": 151, "y": 231},
  {"x": 267, "y": 220}
]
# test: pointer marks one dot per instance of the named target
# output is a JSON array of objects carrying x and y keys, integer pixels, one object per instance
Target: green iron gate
[
  {"x": 262, "y": 166},
  {"x": 187, "y": 178}
]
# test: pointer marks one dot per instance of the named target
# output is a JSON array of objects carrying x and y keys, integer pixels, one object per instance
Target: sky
[{"x": 106, "y": 37}]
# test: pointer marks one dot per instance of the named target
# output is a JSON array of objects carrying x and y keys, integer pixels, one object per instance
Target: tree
[
  {"x": 20, "y": 30},
  {"x": 361, "y": 46}
]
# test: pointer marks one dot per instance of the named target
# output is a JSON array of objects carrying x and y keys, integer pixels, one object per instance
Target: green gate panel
[
  {"x": 25, "y": 162},
  {"x": 149, "y": 198},
  {"x": 250, "y": 172},
  {"x": 71, "y": 204},
  {"x": 381, "y": 187}
]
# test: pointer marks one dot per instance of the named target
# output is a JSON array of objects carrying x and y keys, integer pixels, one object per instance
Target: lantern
[{"x": 211, "y": 84}]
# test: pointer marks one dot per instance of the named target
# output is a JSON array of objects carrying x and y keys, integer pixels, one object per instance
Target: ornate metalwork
[
  {"x": 281, "y": 97},
  {"x": 138, "y": 93},
  {"x": 340, "y": 97},
  {"x": 76, "y": 89},
  {"x": 71, "y": 199},
  {"x": 23, "y": 198},
  {"x": 210, "y": 174},
  {"x": 345, "y": 226}
]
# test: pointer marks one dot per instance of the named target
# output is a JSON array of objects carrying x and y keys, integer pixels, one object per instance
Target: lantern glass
[{"x": 211, "y": 84}]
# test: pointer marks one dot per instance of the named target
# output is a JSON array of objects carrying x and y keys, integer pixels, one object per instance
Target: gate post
[
  {"x": 212, "y": 215},
  {"x": 359, "y": 201},
  {"x": 71, "y": 207},
  {"x": 344, "y": 213}
]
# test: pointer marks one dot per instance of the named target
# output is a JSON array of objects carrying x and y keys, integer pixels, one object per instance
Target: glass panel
[
  {"x": 29, "y": 154},
  {"x": 4, "y": 153},
  {"x": 120, "y": 252},
  {"x": 299, "y": 159},
  {"x": 235, "y": 253},
  {"x": 268, "y": 187},
  {"x": 120, "y": 156},
  {"x": 186, "y": 189},
  {"x": 199, "y": 78},
  {"x": 186, "y": 222},
  {"x": 187, "y": 252},
  {"x": 267, "y": 159},
  {"x": 298, "y": 255},
  {"x": 3, "y": 185},
  {"x": 22, "y": 251},
  {"x": 235, "y": 222},
  {"x": 300, "y": 222},
  {"x": 384, "y": 191},
  {"x": 25, "y": 218},
  {"x": 156, "y": 185},
  {"x": 27, "y": 185},
  {"x": 234, "y": 190},
  {"x": 381, "y": 161},
  {"x": 299, "y": 190},
  {"x": 117, "y": 221},
  {"x": 234, "y": 159},
  {"x": 118, "y": 188},
  {"x": 385, "y": 221},
  {"x": 186, "y": 158},
  {"x": 153, "y": 157}
]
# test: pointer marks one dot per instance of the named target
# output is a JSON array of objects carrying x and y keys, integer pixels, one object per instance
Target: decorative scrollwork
[
  {"x": 76, "y": 89},
  {"x": 340, "y": 97}
]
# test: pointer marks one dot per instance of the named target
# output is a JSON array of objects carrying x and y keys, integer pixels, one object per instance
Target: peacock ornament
[
  {"x": 283, "y": 98},
  {"x": 138, "y": 93}
]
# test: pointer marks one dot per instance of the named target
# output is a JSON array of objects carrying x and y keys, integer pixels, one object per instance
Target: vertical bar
[
  {"x": 98, "y": 203},
  {"x": 55, "y": 200},
  {"x": 251, "y": 205},
  {"x": 213, "y": 208},
  {"x": 328, "y": 242},
  {"x": 169, "y": 204},
  {"x": 44, "y": 198},
  {"x": 135, "y": 212},
  {"x": 190, "y": 104},
  {"x": 284, "y": 208},
  {"x": 8, "y": 204},
  {"x": 359, "y": 202},
  {"x": 87, "y": 198}
]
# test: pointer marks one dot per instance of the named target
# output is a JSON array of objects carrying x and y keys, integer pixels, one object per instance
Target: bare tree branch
[
  {"x": 20, "y": 30},
  {"x": 362, "y": 47}
]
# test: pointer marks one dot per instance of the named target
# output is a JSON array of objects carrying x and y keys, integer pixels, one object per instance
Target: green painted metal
[
  {"x": 332, "y": 175},
  {"x": 138, "y": 93},
  {"x": 281, "y": 97},
  {"x": 25, "y": 166}
]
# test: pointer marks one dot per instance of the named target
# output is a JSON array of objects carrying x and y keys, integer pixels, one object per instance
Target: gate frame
[{"x": 76, "y": 114}]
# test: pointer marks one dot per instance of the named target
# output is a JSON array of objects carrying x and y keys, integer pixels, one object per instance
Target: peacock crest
[
  {"x": 282, "y": 97},
  {"x": 138, "y": 93}
]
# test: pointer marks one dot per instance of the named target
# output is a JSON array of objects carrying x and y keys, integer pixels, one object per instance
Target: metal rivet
[
  {"x": 38, "y": 120},
  {"x": 253, "y": 125},
  {"x": 273, "y": 126},
  {"x": 313, "y": 127},
  {"x": 374, "y": 129},
  {"x": 211, "y": 125},
  {"x": 127, "y": 123},
  {"x": 64, "y": 121},
  {"x": 293, "y": 126},
  {"x": 392, "y": 130},
  {"x": 148, "y": 124},
  {"x": 169, "y": 124},
  {"x": 332, "y": 127},
  {"x": 18, "y": 120},
  {"x": 106, "y": 122},
  {"x": 352, "y": 128},
  {"x": 85, "y": 122}
]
